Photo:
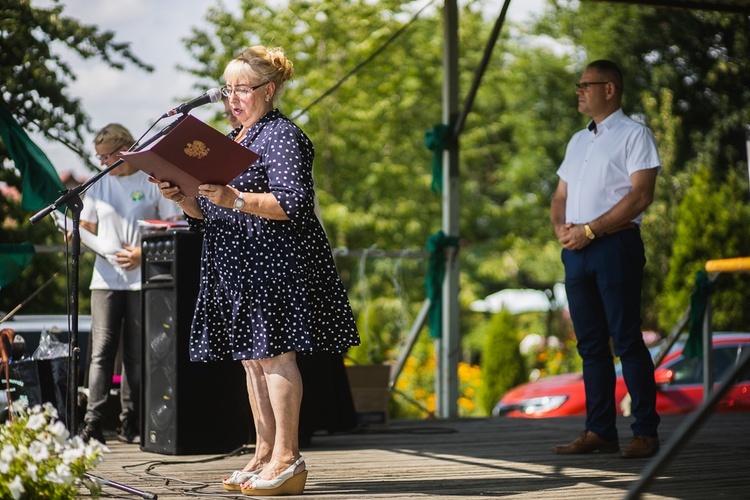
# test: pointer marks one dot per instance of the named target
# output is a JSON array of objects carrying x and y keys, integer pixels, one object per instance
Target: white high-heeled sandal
[
  {"x": 286, "y": 483},
  {"x": 234, "y": 482}
]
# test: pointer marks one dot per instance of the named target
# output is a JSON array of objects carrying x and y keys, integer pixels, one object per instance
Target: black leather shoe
[
  {"x": 91, "y": 429},
  {"x": 128, "y": 433}
]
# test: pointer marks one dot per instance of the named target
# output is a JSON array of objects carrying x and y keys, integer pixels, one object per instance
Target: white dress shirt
[{"x": 597, "y": 166}]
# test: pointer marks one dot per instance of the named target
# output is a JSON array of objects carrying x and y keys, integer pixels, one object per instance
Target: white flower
[
  {"x": 36, "y": 421},
  {"x": 95, "y": 448},
  {"x": 38, "y": 452},
  {"x": 7, "y": 453},
  {"x": 59, "y": 431},
  {"x": 32, "y": 470},
  {"x": 63, "y": 470},
  {"x": 35, "y": 438},
  {"x": 72, "y": 454},
  {"x": 50, "y": 411},
  {"x": 18, "y": 406},
  {"x": 16, "y": 488}
]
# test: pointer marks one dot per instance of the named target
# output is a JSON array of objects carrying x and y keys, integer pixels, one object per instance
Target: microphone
[{"x": 211, "y": 95}]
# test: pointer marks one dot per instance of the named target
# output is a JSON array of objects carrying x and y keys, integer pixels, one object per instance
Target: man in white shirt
[
  {"x": 606, "y": 181},
  {"x": 112, "y": 208}
]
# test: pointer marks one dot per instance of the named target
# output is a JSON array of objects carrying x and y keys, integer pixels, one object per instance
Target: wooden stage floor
[{"x": 462, "y": 458}]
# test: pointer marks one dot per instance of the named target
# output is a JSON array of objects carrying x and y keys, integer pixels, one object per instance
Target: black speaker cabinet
[{"x": 186, "y": 407}]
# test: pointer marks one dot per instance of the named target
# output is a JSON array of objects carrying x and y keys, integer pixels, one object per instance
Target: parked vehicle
[
  {"x": 679, "y": 382},
  {"x": 28, "y": 329}
]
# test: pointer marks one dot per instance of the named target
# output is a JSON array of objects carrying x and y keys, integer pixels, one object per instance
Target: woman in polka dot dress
[{"x": 269, "y": 287}]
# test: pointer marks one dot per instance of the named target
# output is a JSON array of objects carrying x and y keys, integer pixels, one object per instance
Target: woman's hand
[
  {"x": 188, "y": 203},
  {"x": 221, "y": 196},
  {"x": 167, "y": 190},
  {"x": 259, "y": 204}
]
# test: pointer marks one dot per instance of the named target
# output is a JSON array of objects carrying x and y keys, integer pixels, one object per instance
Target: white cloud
[{"x": 520, "y": 10}]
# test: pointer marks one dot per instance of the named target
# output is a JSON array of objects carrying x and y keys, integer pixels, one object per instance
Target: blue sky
[{"x": 154, "y": 28}]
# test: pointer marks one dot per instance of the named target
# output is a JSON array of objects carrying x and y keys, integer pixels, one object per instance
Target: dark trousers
[
  {"x": 115, "y": 314},
  {"x": 603, "y": 282}
]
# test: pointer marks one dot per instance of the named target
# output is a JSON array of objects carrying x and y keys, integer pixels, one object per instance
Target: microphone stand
[{"x": 71, "y": 198}]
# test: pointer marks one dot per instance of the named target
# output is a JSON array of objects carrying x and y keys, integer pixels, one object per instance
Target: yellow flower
[
  {"x": 466, "y": 404},
  {"x": 432, "y": 402}
]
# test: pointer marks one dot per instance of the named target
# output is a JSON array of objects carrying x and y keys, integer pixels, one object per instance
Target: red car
[{"x": 679, "y": 384}]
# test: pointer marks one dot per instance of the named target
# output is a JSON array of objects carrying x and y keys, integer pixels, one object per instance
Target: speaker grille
[
  {"x": 187, "y": 408},
  {"x": 160, "y": 362}
]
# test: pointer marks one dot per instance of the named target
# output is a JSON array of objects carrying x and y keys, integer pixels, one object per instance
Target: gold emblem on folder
[{"x": 197, "y": 149}]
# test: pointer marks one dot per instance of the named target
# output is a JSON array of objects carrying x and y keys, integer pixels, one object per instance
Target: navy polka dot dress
[{"x": 270, "y": 286}]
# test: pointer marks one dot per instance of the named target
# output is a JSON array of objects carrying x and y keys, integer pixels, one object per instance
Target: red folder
[{"x": 192, "y": 154}]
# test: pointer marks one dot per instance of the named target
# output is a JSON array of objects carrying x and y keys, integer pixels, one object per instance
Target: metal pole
[
  {"x": 122, "y": 487},
  {"x": 479, "y": 73},
  {"x": 449, "y": 345},
  {"x": 413, "y": 335},
  {"x": 708, "y": 371}
]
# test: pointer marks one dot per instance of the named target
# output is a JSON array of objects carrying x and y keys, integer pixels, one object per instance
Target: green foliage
[
  {"x": 660, "y": 220},
  {"x": 16, "y": 228},
  {"x": 414, "y": 394},
  {"x": 502, "y": 363},
  {"x": 379, "y": 294},
  {"x": 32, "y": 70},
  {"x": 686, "y": 75},
  {"x": 40, "y": 461},
  {"x": 714, "y": 223}
]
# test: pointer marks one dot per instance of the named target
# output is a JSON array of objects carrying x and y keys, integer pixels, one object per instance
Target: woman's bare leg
[
  {"x": 284, "y": 393},
  {"x": 265, "y": 426}
]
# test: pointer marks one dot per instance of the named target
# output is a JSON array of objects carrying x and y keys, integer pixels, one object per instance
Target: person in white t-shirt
[{"x": 112, "y": 208}]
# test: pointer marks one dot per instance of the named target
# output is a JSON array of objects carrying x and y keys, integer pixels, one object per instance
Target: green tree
[
  {"x": 371, "y": 167},
  {"x": 502, "y": 363},
  {"x": 718, "y": 209},
  {"x": 687, "y": 75},
  {"x": 32, "y": 70}
]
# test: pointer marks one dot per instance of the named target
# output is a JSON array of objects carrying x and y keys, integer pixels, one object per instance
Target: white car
[{"x": 28, "y": 329}]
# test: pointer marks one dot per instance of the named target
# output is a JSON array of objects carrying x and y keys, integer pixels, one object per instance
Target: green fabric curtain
[
  {"x": 14, "y": 258},
  {"x": 41, "y": 182},
  {"x": 437, "y": 244},
  {"x": 704, "y": 287}
]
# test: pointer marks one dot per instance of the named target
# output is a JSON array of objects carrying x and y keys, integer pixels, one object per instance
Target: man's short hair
[{"x": 609, "y": 70}]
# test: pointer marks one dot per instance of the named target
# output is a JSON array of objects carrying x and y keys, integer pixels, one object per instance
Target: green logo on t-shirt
[{"x": 136, "y": 195}]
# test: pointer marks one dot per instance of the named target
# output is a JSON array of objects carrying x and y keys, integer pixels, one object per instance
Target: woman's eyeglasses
[{"x": 240, "y": 91}]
